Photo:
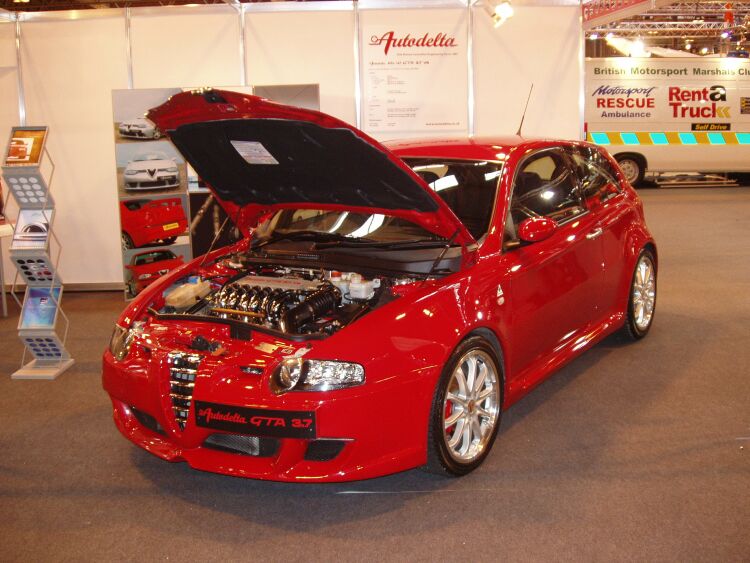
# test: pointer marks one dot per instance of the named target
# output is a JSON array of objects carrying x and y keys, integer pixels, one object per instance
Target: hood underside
[{"x": 258, "y": 156}]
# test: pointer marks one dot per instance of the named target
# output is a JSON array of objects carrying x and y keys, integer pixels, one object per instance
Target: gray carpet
[{"x": 632, "y": 453}]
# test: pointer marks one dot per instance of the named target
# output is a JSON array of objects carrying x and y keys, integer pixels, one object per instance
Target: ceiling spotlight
[
  {"x": 499, "y": 11},
  {"x": 724, "y": 34},
  {"x": 594, "y": 36},
  {"x": 609, "y": 36}
]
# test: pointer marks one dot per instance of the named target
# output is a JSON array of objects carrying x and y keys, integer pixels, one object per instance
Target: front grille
[
  {"x": 183, "y": 367},
  {"x": 245, "y": 445}
]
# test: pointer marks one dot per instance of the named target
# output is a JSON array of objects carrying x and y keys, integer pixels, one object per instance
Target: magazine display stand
[{"x": 35, "y": 252}]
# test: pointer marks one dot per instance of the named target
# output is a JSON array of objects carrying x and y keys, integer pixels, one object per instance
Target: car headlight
[
  {"x": 296, "y": 374},
  {"x": 171, "y": 170},
  {"x": 120, "y": 342},
  {"x": 122, "y": 338},
  {"x": 131, "y": 172},
  {"x": 145, "y": 276}
]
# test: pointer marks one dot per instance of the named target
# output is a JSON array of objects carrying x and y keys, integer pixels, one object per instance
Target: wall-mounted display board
[
  {"x": 167, "y": 214},
  {"x": 34, "y": 256},
  {"x": 414, "y": 72}
]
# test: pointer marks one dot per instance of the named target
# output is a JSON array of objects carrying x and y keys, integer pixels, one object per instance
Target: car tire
[
  {"x": 465, "y": 414},
  {"x": 641, "y": 298},
  {"x": 157, "y": 134},
  {"x": 633, "y": 167},
  {"x": 126, "y": 241},
  {"x": 132, "y": 291}
]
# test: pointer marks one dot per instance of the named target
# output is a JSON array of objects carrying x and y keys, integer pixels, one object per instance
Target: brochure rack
[{"x": 35, "y": 252}]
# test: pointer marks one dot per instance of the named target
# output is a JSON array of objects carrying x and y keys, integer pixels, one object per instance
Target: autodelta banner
[
  {"x": 627, "y": 94},
  {"x": 414, "y": 72}
]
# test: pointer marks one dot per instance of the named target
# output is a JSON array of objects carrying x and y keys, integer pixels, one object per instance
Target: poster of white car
[
  {"x": 151, "y": 171},
  {"x": 138, "y": 128}
]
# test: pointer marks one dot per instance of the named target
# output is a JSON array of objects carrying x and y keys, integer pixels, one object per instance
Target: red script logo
[{"x": 389, "y": 40}]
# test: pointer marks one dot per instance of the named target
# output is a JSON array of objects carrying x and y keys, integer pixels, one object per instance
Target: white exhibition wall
[{"x": 71, "y": 61}]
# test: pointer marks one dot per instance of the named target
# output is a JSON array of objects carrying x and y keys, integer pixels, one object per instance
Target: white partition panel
[
  {"x": 8, "y": 81},
  {"x": 70, "y": 67},
  {"x": 8, "y": 118},
  {"x": 539, "y": 45},
  {"x": 306, "y": 47},
  {"x": 185, "y": 46}
]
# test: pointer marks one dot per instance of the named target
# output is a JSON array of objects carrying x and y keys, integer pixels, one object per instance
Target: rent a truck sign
[{"x": 644, "y": 102}]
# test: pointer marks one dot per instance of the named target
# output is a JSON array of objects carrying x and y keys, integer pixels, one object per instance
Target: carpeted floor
[{"x": 632, "y": 453}]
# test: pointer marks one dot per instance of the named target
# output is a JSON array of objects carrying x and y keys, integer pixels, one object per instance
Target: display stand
[
  {"x": 6, "y": 230},
  {"x": 35, "y": 252}
]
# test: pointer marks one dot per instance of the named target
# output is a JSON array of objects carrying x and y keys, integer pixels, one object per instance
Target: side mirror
[{"x": 536, "y": 229}]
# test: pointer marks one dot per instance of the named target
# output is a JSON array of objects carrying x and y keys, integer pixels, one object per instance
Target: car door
[
  {"x": 555, "y": 285},
  {"x": 605, "y": 198}
]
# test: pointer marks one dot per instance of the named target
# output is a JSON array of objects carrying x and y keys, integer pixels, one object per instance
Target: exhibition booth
[{"x": 373, "y": 280}]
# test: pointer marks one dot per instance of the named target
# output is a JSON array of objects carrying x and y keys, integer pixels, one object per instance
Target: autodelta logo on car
[{"x": 390, "y": 40}]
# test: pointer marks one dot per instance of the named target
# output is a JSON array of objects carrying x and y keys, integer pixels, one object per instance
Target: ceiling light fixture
[{"x": 499, "y": 11}]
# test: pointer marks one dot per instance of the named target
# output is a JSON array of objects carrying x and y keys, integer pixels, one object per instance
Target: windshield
[
  {"x": 345, "y": 224},
  {"x": 468, "y": 187},
  {"x": 151, "y": 257},
  {"x": 150, "y": 156}
]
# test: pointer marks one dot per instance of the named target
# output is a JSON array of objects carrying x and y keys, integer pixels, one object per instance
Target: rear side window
[
  {"x": 597, "y": 177},
  {"x": 545, "y": 186}
]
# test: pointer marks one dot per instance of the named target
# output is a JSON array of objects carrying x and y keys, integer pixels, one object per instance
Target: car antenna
[{"x": 518, "y": 133}]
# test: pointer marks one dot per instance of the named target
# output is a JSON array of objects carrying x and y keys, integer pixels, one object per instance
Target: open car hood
[{"x": 258, "y": 156}]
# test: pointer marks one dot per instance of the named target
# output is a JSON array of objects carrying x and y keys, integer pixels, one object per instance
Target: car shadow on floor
[{"x": 564, "y": 428}]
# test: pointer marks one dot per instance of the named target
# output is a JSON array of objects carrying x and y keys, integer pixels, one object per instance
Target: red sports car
[
  {"x": 146, "y": 267},
  {"x": 386, "y": 305},
  {"x": 147, "y": 221}
]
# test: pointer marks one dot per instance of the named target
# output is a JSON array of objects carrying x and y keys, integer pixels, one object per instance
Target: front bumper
[
  {"x": 378, "y": 431},
  {"x": 148, "y": 183}
]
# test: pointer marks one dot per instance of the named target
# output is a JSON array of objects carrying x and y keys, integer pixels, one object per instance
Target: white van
[{"x": 670, "y": 115}]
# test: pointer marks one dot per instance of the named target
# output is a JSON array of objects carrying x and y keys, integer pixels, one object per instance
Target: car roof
[{"x": 483, "y": 148}]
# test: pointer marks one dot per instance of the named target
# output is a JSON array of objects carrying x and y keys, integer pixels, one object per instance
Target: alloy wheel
[
  {"x": 644, "y": 293},
  {"x": 471, "y": 406}
]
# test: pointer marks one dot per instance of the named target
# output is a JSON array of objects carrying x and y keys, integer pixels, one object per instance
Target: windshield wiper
[
  {"x": 297, "y": 235},
  {"x": 414, "y": 243}
]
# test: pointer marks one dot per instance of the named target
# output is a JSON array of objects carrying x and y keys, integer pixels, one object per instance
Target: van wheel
[{"x": 633, "y": 167}]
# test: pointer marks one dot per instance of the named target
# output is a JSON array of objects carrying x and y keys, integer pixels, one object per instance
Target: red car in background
[
  {"x": 147, "y": 221},
  {"x": 387, "y": 304},
  {"x": 146, "y": 267}
]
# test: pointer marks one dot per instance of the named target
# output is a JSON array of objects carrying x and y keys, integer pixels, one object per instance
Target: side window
[
  {"x": 598, "y": 179},
  {"x": 545, "y": 186}
]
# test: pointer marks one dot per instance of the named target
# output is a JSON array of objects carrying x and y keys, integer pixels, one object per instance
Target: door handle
[{"x": 595, "y": 233}]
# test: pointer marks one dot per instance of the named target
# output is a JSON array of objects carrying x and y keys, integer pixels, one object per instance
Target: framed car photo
[{"x": 25, "y": 146}]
